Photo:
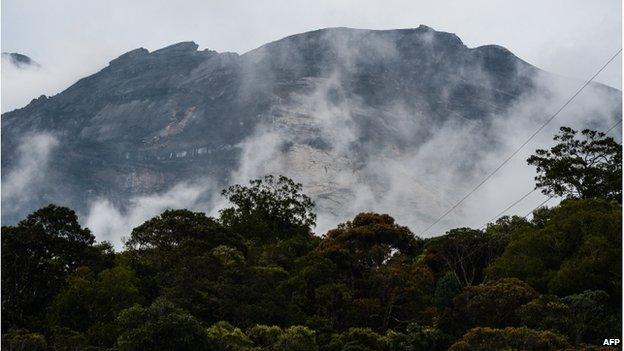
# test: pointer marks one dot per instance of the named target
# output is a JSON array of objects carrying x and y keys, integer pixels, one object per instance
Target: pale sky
[{"x": 74, "y": 38}]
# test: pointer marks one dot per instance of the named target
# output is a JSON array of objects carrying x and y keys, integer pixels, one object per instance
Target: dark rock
[{"x": 149, "y": 120}]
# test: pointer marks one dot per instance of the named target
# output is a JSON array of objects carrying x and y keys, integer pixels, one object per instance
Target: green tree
[
  {"x": 368, "y": 242},
  {"x": 89, "y": 303},
  {"x": 223, "y": 336},
  {"x": 179, "y": 229},
  {"x": 404, "y": 293},
  {"x": 487, "y": 339},
  {"x": 418, "y": 338},
  {"x": 37, "y": 256},
  {"x": 264, "y": 336},
  {"x": 358, "y": 339},
  {"x": 374, "y": 256},
  {"x": 23, "y": 340},
  {"x": 65, "y": 339},
  {"x": 297, "y": 338},
  {"x": 446, "y": 289},
  {"x": 315, "y": 288},
  {"x": 176, "y": 252},
  {"x": 585, "y": 167},
  {"x": 160, "y": 326},
  {"x": 493, "y": 304},
  {"x": 590, "y": 317},
  {"x": 464, "y": 252},
  {"x": 269, "y": 209},
  {"x": 546, "y": 312},
  {"x": 204, "y": 267},
  {"x": 577, "y": 248}
]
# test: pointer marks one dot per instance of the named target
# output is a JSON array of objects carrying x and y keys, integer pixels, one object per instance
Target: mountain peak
[
  {"x": 185, "y": 48},
  {"x": 338, "y": 99},
  {"x": 19, "y": 60},
  {"x": 181, "y": 47},
  {"x": 349, "y": 37},
  {"x": 130, "y": 55}
]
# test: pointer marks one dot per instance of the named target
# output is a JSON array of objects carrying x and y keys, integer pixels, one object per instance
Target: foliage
[
  {"x": 579, "y": 248},
  {"x": 374, "y": 258},
  {"x": 367, "y": 242},
  {"x": 584, "y": 317},
  {"x": 65, "y": 339},
  {"x": 37, "y": 256},
  {"x": 588, "y": 167},
  {"x": 590, "y": 316},
  {"x": 177, "y": 253},
  {"x": 358, "y": 339},
  {"x": 264, "y": 335},
  {"x": 160, "y": 326},
  {"x": 546, "y": 312},
  {"x": 446, "y": 289},
  {"x": 179, "y": 229},
  {"x": 486, "y": 339},
  {"x": 464, "y": 252},
  {"x": 90, "y": 303},
  {"x": 23, "y": 340},
  {"x": 493, "y": 304},
  {"x": 269, "y": 209},
  {"x": 418, "y": 338},
  {"x": 256, "y": 278},
  {"x": 297, "y": 338},
  {"x": 222, "y": 336}
]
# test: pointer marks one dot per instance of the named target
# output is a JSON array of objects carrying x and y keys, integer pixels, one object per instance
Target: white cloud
[
  {"x": 34, "y": 152},
  {"x": 114, "y": 223},
  {"x": 415, "y": 185}
]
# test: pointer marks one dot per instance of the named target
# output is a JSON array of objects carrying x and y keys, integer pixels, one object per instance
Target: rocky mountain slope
[{"x": 353, "y": 114}]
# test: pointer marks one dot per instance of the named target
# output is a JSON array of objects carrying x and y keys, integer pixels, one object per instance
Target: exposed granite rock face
[{"x": 334, "y": 97}]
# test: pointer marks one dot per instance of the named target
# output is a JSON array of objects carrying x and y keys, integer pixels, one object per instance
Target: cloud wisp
[
  {"x": 395, "y": 156},
  {"x": 114, "y": 223},
  {"x": 19, "y": 184}
]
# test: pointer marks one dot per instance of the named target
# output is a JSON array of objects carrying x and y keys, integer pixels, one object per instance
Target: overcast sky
[{"x": 73, "y": 38}]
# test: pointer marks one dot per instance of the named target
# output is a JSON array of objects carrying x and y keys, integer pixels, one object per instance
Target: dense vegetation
[{"x": 257, "y": 278}]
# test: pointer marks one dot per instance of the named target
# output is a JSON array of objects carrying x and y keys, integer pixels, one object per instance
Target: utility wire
[
  {"x": 479, "y": 247},
  {"x": 515, "y": 203},
  {"x": 615, "y": 125},
  {"x": 532, "y": 191},
  {"x": 522, "y": 145},
  {"x": 538, "y": 206},
  {"x": 508, "y": 208}
]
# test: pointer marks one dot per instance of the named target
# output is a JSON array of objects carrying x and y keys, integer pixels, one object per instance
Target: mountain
[
  {"x": 19, "y": 60},
  {"x": 365, "y": 119}
]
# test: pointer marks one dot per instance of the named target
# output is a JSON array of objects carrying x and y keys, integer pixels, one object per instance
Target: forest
[{"x": 256, "y": 277}]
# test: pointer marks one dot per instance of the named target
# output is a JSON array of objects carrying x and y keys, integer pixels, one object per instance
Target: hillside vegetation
[{"x": 257, "y": 278}]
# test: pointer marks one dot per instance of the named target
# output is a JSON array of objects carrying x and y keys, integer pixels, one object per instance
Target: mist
[
  {"x": 354, "y": 154},
  {"x": 20, "y": 184},
  {"x": 417, "y": 183},
  {"x": 114, "y": 223},
  {"x": 21, "y": 84}
]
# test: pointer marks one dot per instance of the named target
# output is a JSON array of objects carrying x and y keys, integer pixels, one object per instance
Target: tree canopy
[
  {"x": 588, "y": 166},
  {"x": 255, "y": 277}
]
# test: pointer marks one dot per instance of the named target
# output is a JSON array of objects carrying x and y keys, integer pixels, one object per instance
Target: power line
[
  {"x": 479, "y": 247},
  {"x": 515, "y": 203},
  {"x": 532, "y": 191},
  {"x": 615, "y": 125},
  {"x": 521, "y": 146},
  {"x": 538, "y": 206},
  {"x": 508, "y": 208}
]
